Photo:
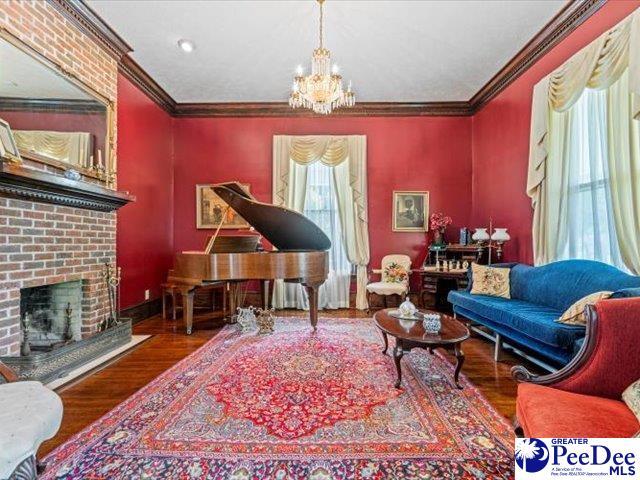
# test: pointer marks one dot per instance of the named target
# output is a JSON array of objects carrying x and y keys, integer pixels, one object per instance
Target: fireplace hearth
[{"x": 52, "y": 342}]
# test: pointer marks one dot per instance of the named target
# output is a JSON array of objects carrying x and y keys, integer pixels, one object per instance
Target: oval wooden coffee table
[{"x": 410, "y": 334}]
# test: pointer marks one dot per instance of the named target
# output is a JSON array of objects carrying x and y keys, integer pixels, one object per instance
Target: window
[
  {"x": 321, "y": 207},
  {"x": 587, "y": 227}
]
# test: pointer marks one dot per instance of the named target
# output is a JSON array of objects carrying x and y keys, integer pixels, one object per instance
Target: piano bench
[{"x": 172, "y": 290}]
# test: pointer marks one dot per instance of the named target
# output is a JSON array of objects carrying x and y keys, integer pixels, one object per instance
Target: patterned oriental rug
[{"x": 295, "y": 405}]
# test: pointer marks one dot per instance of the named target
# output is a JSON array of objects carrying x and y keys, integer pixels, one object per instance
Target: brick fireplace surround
[{"x": 43, "y": 243}]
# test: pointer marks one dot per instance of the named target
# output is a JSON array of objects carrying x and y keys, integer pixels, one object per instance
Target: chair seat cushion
[
  {"x": 30, "y": 413},
  {"x": 536, "y": 321},
  {"x": 387, "y": 288},
  {"x": 545, "y": 412}
]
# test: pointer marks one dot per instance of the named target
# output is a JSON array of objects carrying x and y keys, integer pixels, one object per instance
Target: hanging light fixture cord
[{"x": 321, "y": 24}]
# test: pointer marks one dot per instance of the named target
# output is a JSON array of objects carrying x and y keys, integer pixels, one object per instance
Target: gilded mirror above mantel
[{"x": 55, "y": 119}]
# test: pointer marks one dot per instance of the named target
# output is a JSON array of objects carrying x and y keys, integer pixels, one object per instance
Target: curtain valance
[
  {"x": 597, "y": 66},
  {"x": 321, "y": 148}
]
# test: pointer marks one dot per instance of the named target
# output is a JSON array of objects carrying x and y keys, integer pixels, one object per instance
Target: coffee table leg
[
  {"x": 459, "y": 362},
  {"x": 397, "y": 355},
  {"x": 386, "y": 342}
]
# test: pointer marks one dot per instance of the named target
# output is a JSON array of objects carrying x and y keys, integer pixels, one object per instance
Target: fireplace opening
[{"x": 50, "y": 316}]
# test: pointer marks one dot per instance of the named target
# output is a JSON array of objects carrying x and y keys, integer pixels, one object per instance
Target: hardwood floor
[{"x": 90, "y": 397}]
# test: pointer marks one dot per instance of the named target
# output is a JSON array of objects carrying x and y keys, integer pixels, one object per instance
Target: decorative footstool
[{"x": 30, "y": 413}]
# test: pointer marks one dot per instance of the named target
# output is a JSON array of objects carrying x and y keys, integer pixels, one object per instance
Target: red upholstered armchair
[{"x": 583, "y": 399}]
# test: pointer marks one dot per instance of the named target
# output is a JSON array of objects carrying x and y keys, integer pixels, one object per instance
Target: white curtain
[
  {"x": 583, "y": 134},
  {"x": 294, "y": 171},
  {"x": 320, "y": 206},
  {"x": 580, "y": 184}
]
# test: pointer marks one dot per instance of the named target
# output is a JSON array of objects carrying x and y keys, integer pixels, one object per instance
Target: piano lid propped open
[{"x": 284, "y": 228}]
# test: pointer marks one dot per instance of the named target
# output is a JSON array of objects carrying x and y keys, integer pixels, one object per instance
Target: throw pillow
[
  {"x": 575, "y": 313},
  {"x": 626, "y": 293},
  {"x": 631, "y": 396},
  {"x": 490, "y": 281},
  {"x": 394, "y": 273}
]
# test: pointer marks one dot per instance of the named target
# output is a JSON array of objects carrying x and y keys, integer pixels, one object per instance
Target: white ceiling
[
  {"x": 22, "y": 76},
  {"x": 247, "y": 51}
]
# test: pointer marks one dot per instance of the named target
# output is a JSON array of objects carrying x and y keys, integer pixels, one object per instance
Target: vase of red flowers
[{"x": 438, "y": 223}]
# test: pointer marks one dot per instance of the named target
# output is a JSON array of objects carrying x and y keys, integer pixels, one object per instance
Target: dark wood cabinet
[{"x": 435, "y": 285}]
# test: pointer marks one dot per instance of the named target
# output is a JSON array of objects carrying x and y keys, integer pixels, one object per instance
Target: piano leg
[
  {"x": 187, "y": 294},
  {"x": 264, "y": 294},
  {"x": 312, "y": 292}
]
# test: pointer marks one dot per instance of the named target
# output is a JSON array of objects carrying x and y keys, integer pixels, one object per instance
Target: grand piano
[{"x": 301, "y": 256}]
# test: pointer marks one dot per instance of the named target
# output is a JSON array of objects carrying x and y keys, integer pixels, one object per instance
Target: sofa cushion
[
  {"x": 560, "y": 284},
  {"x": 631, "y": 396},
  {"x": 574, "y": 315},
  {"x": 536, "y": 321},
  {"x": 626, "y": 293},
  {"x": 491, "y": 281},
  {"x": 495, "y": 265},
  {"x": 545, "y": 412}
]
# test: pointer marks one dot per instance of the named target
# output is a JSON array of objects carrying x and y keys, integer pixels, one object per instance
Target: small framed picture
[
  {"x": 210, "y": 209},
  {"x": 410, "y": 211},
  {"x": 8, "y": 147}
]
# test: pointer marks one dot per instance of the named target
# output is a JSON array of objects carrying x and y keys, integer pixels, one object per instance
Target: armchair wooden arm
[
  {"x": 8, "y": 373},
  {"x": 608, "y": 361},
  {"x": 520, "y": 373}
]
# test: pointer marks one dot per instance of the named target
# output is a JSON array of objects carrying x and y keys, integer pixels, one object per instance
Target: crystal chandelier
[{"x": 322, "y": 90}]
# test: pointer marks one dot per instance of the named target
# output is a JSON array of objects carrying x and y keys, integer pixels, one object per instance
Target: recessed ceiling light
[{"x": 186, "y": 45}]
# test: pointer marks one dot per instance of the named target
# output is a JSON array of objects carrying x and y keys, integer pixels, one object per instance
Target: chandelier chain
[{"x": 321, "y": 24}]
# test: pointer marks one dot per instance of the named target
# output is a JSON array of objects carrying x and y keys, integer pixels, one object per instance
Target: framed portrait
[
  {"x": 8, "y": 146},
  {"x": 210, "y": 208},
  {"x": 410, "y": 211}
]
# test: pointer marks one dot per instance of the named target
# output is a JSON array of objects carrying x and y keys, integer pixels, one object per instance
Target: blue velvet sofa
[{"x": 539, "y": 296}]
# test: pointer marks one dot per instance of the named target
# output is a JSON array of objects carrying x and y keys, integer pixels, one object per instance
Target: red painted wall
[
  {"x": 428, "y": 153},
  {"x": 501, "y": 138},
  {"x": 145, "y": 168}
]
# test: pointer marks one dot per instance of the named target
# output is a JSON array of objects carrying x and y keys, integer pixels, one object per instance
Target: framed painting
[
  {"x": 210, "y": 209},
  {"x": 410, "y": 211},
  {"x": 8, "y": 146}
]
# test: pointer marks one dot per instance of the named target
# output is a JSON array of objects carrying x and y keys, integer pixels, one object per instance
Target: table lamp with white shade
[{"x": 494, "y": 238}]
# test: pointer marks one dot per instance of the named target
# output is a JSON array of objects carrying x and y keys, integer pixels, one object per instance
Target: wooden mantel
[{"x": 17, "y": 181}]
